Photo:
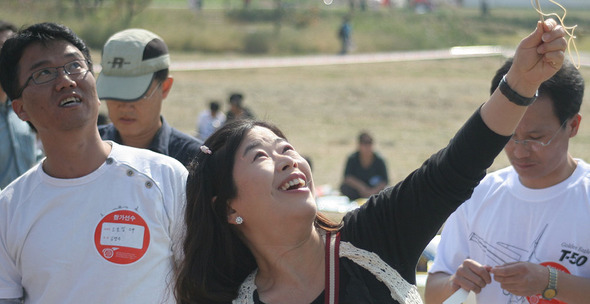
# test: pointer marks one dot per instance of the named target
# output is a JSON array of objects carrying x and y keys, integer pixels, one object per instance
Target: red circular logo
[{"x": 122, "y": 237}]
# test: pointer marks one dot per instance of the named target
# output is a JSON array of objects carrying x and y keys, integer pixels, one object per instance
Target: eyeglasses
[
  {"x": 46, "y": 75},
  {"x": 152, "y": 93},
  {"x": 537, "y": 145}
]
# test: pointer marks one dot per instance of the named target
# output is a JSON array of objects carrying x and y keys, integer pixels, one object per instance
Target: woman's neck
[{"x": 292, "y": 274}]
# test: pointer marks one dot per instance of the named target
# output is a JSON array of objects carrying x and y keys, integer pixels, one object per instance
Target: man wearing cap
[{"x": 134, "y": 81}]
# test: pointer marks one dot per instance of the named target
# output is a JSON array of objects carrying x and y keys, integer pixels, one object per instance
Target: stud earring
[{"x": 239, "y": 220}]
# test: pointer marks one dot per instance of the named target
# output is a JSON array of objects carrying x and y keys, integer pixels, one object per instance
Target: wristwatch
[{"x": 551, "y": 290}]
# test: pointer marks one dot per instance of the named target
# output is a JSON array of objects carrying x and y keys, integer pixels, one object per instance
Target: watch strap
[
  {"x": 551, "y": 290},
  {"x": 513, "y": 96}
]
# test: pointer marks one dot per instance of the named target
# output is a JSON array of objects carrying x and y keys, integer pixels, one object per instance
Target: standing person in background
[
  {"x": 94, "y": 221},
  {"x": 344, "y": 33},
  {"x": 210, "y": 120},
  {"x": 253, "y": 233},
  {"x": 18, "y": 148},
  {"x": 365, "y": 173},
  {"x": 237, "y": 110},
  {"x": 528, "y": 222},
  {"x": 134, "y": 81},
  {"x": 485, "y": 8}
]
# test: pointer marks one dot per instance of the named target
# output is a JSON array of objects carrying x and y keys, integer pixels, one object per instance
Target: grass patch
[
  {"x": 300, "y": 27},
  {"x": 413, "y": 108}
]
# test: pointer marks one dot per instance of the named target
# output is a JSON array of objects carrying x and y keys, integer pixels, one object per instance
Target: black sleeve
[{"x": 399, "y": 222}]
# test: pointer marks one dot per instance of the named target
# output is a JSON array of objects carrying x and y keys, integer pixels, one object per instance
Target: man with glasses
[
  {"x": 134, "y": 81},
  {"x": 524, "y": 234},
  {"x": 95, "y": 220},
  {"x": 18, "y": 151}
]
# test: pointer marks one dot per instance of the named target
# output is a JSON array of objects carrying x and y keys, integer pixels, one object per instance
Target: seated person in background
[
  {"x": 134, "y": 81},
  {"x": 365, "y": 173},
  {"x": 210, "y": 120}
]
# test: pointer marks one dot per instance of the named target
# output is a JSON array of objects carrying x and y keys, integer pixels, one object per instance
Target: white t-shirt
[
  {"x": 102, "y": 238},
  {"x": 207, "y": 124},
  {"x": 505, "y": 222}
]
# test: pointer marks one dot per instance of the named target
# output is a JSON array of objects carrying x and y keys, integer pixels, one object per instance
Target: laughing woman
[{"x": 254, "y": 235}]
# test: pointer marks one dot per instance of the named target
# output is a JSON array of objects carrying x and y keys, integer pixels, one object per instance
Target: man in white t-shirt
[
  {"x": 523, "y": 237},
  {"x": 210, "y": 120},
  {"x": 94, "y": 222}
]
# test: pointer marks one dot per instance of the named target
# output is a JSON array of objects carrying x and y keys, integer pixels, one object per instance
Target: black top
[
  {"x": 167, "y": 141},
  {"x": 372, "y": 176},
  {"x": 398, "y": 223},
  {"x": 246, "y": 114}
]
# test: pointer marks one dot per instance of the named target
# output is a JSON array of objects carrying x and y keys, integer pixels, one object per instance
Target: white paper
[
  {"x": 127, "y": 235},
  {"x": 458, "y": 297}
]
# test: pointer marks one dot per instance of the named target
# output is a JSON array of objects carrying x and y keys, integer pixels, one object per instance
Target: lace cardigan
[{"x": 400, "y": 289}]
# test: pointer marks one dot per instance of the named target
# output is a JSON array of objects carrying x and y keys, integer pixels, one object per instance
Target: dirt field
[{"x": 412, "y": 108}]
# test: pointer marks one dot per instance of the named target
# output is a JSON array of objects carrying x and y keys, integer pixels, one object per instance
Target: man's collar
[{"x": 161, "y": 138}]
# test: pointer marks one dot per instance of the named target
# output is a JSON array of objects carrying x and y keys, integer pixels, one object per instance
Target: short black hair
[
  {"x": 365, "y": 137},
  {"x": 214, "y": 106},
  {"x": 15, "y": 46},
  {"x": 236, "y": 98},
  {"x": 565, "y": 89},
  {"x": 161, "y": 75}
]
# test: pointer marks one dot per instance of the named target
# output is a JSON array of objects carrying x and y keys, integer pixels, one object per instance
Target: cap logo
[
  {"x": 118, "y": 63},
  {"x": 129, "y": 60}
]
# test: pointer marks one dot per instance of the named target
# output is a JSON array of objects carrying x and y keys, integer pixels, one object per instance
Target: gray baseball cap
[{"x": 129, "y": 60}]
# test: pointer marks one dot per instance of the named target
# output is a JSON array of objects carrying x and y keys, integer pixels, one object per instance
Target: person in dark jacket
[{"x": 134, "y": 81}]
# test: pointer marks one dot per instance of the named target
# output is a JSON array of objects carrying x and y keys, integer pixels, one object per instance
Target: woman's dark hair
[
  {"x": 216, "y": 260},
  {"x": 16, "y": 45}
]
